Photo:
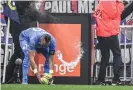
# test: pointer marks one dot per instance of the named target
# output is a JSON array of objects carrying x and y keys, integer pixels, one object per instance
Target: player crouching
[{"x": 37, "y": 40}]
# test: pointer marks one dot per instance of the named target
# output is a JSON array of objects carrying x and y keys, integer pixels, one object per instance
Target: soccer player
[{"x": 36, "y": 40}]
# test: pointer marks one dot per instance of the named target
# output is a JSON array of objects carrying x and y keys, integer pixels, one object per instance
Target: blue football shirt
[{"x": 33, "y": 35}]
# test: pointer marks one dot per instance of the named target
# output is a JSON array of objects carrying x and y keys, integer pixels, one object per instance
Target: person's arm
[
  {"x": 51, "y": 56},
  {"x": 32, "y": 61},
  {"x": 51, "y": 64}
]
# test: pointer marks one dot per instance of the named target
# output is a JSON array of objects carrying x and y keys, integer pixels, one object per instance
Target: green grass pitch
[{"x": 62, "y": 87}]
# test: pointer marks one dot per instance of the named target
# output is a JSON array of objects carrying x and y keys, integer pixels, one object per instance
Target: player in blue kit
[{"x": 36, "y": 40}]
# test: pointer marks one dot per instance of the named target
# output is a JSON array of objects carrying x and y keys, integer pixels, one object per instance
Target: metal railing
[{"x": 126, "y": 43}]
